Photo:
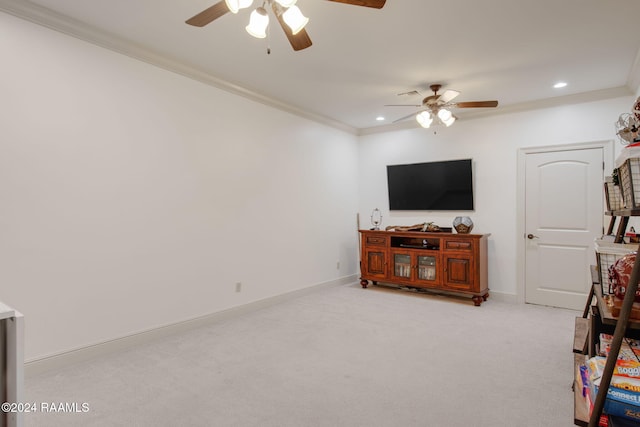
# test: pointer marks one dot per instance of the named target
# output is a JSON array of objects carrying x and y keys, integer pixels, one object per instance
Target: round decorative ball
[{"x": 463, "y": 224}]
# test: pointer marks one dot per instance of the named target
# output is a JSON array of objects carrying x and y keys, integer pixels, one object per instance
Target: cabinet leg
[
  {"x": 364, "y": 283},
  {"x": 485, "y": 296},
  {"x": 477, "y": 300}
]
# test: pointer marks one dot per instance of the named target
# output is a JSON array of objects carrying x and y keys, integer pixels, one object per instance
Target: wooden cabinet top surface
[{"x": 423, "y": 234}]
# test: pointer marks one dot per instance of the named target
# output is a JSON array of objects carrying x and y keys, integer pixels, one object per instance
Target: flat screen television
[{"x": 433, "y": 186}]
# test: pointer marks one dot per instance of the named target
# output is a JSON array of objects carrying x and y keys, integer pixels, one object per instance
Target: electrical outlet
[
  {"x": 238, "y": 286},
  {"x": 338, "y": 265}
]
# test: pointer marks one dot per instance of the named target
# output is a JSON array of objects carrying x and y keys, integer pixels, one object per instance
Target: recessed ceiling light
[
  {"x": 380, "y": 118},
  {"x": 559, "y": 85}
]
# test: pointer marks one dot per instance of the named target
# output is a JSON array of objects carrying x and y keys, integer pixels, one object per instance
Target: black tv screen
[{"x": 434, "y": 186}]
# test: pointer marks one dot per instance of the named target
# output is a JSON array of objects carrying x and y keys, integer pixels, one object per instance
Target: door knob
[{"x": 531, "y": 236}]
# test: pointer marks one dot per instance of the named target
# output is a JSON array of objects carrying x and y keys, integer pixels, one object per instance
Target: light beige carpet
[{"x": 342, "y": 356}]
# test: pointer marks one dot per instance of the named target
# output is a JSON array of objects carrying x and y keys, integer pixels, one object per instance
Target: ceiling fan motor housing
[{"x": 432, "y": 99}]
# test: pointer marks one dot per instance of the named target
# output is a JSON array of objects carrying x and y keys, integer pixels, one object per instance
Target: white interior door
[{"x": 564, "y": 214}]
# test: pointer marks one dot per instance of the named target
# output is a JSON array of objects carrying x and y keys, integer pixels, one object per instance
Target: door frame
[{"x": 608, "y": 149}]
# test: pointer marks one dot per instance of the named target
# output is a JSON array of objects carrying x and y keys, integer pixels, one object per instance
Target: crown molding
[{"x": 48, "y": 18}]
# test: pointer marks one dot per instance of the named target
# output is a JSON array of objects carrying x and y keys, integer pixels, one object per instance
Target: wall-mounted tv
[{"x": 433, "y": 186}]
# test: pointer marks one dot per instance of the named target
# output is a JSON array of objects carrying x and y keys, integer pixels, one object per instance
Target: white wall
[
  {"x": 493, "y": 144},
  {"x": 132, "y": 197}
]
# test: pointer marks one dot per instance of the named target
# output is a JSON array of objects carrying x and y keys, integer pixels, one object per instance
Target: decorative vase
[{"x": 463, "y": 224}]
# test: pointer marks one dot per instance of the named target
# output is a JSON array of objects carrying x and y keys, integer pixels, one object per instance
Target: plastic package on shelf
[{"x": 607, "y": 253}]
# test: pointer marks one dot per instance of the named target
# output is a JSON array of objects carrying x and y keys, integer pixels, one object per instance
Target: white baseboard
[
  {"x": 503, "y": 297},
  {"x": 69, "y": 358}
]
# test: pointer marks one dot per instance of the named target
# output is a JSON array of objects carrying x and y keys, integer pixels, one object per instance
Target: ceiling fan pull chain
[{"x": 269, "y": 40}]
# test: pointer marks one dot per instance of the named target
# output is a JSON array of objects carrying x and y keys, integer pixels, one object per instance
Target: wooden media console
[{"x": 443, "y": 262}]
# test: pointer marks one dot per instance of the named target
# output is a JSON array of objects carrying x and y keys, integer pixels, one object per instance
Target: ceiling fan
[
  {"x": 287, "y": 13},
  {"x": 627, "y": 127},
  {"x": 438, "y": 106}
]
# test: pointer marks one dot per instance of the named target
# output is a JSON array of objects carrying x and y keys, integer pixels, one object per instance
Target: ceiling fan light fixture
[
  {"x": 258, "y": 23},
  {"x": 424, "y": 119},
  {"x": 235, "y": 5},
  {"x": 295, "y": 19},
  {"x": 449, "y": 121},
  {"x": 286, "y": 3},
  {"x": 444, "y": 115}
]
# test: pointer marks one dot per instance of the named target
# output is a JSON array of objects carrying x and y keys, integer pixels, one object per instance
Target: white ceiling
[{"x": 361, "y": 58}]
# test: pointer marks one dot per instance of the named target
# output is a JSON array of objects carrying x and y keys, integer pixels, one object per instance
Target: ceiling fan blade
[
  {"x": 448, "y": 95},
  {"x": 402, "y": 105},
  {"x": 299, "y": 40},
  {"x": 407, "y": 116},
  {"x": 208, "y": 15},
  {"x": 377, "y": 4},
  {"x": 476, "y": 104}
]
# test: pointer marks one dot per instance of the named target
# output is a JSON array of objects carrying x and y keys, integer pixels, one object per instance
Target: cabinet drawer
[
  {"x": 377, "y": 240},
  {"x": 459, "y": 245}
]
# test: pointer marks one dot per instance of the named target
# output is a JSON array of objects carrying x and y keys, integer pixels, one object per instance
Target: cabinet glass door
[
  {"x": 402, "y": 265},
  {"x": 426, "y": 267}
]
